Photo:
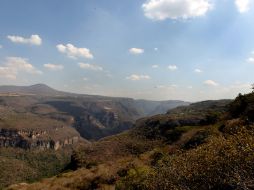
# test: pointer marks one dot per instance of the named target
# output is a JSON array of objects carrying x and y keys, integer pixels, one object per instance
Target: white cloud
[
  {"x": 135, "y": 77},
  {"x": 155, "y": 66},
  {"x": 74, "y": 52},
  {"x": 243, "y": 5},
  {"x": 156, "y": 49},
  {"x": 198, "y": 71},
  {"x": 172, "y": 67},
  {"x": 1, "y": 46},
  {"x": 136, "y": 51},
  {"x": 21, "y": 64},
  {"x": 14, "y": 65},
  {"x": 85, "y": 79},
  {"x": 175, "y": 9},
  {"x": 8, "y": 73},
  {"x": 53, "y": 67},
  {"x": 90, "y": 67},
  {"x": 210, "y": 83},
  {"x": 250, "y": 60},
  {"x": 33, "y": 40}
]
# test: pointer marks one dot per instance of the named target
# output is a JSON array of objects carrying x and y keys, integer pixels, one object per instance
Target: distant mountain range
[
  {"x": 37, "y": 89},
  {"x": 94, "y": 116},
  {"x": 188, "y": 147},
  {"x": 145, "y": 107}
]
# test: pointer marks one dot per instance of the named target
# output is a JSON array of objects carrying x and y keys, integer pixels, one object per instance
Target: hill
[
  {"x": 37, "y": 89},
  {"x": 40, "y": 126},
  {"x": 94, "y": 116},
  {"x": 201, "y": 146}
]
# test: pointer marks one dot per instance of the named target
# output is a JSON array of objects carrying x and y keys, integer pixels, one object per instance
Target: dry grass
[{"x": 221, "y": 163}]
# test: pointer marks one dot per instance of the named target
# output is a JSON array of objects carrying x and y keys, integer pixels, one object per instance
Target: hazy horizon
[{"x": 148, "y": 49}]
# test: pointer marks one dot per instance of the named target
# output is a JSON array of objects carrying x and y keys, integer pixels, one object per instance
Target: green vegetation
[
  {"x": 204, "y": 146},
  {"x": 221, "y": 163},
  {"x": 38, "y": 117},
  {"x": 19, "y": 165}
]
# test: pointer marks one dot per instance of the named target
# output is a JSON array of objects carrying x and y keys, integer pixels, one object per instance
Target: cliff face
[
  {"x": 94, "y": 117},
  {"x": 33, "y": 139}
]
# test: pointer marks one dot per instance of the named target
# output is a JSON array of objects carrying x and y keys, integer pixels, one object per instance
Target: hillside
[
  {"x": 201, "y": 146},
  {"x": 35, "y": 140},
  {"x": 93, "y": 117},
  {"x": 40, "y": 126},
  {"x": 37, "y": 89}
]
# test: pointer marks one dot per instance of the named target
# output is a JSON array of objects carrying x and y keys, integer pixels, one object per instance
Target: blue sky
[{"x": 153, "y": 49}]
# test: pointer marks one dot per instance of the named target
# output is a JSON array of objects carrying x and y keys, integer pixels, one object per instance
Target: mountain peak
[
  {"x": 40, "y": 85},
  {"x": 36, "y": 89}
]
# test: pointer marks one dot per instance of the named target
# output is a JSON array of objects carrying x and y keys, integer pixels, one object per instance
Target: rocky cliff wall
[{"x": 34, "y": 139}]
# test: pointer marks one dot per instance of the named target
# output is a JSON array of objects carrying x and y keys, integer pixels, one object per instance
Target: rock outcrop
[{"x": 28, "y": 139}]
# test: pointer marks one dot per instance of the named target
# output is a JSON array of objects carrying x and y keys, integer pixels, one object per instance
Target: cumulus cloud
[
  {"x": 53, "y": 67},
  {"x": 250, "y": 60},
  {"x": 155, "y": 66},
  {"x": 74, "y": 52},
  {"x": 172, "y": 67},
  {"x": 243, "y": 5},
  {"x": 8, "y": 73},
  {"x": 136, "y": 51},
  {"x": 175, "y": 9},
  {"x": 21, "y": 64},
  {"x": 135, "y": 77},
  {"x": 14, "y": 65},
  {"x": 198, "y": 71},
  {"x": 32, "y": 40},
  {"x": 90, "y": 66},
  {"x": 210, "y": 83}
]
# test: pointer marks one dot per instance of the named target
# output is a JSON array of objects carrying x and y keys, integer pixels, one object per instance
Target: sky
[{"x": 189, "y": 50}]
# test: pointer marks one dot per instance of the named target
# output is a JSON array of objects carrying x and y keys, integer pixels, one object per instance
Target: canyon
[{"x": 40, "y": 117}]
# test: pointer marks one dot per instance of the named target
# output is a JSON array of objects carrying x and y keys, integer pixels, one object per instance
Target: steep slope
[
  {"x": 96, "y": 119},
  {"x": 94, "y": 116},
  {"x": 25, "y": 123},
  {"x": 37, "y": 89},
  {"x": 35, "y": 140},
  {"x": 182, "y": 149},
  {"x": 39, "y": 127}
]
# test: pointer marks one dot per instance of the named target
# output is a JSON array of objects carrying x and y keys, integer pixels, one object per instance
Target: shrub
[
  {"x": 198, "y": 139},
  {"x": 219, "y": 164},
  {"x": 136, "y": 179}
]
